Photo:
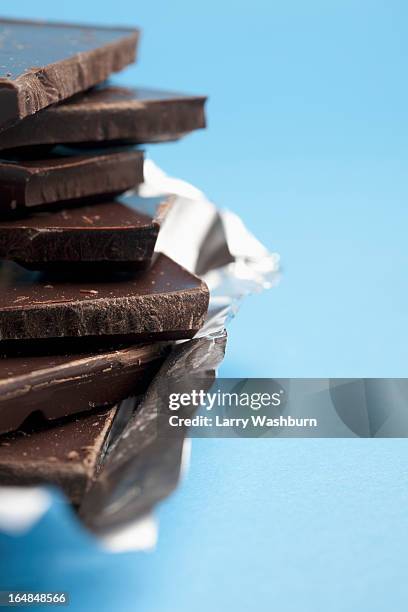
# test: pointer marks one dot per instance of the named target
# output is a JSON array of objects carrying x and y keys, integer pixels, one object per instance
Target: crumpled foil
[{"x": 141, "y": 467}]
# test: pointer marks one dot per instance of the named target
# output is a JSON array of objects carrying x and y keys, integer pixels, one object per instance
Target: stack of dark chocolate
[{"x": 87, "y": 308}]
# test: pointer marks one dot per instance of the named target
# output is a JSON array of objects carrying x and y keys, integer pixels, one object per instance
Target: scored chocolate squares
[
  {"x": 36, "y": 380},
  {"x": 165, "y": 301},
  {"x": 43, "y": 63},
  {"x": 67, "y": 453},
  {"x": 118, "y": 235},
  {"x": 110, "y": 114},
  {"x": 27, "y": 184}
]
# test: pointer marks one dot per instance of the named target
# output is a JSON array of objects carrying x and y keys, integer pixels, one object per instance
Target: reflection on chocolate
[
  {"x": 57, "y": 385},
  {"x": 110, "y": 114},
  {"x": 43, "y": 63},
  {"x": 119, "y": 234},
  {"x": 163, "y": 302},
  {"x": 27, "y": 184},
  {"x": 66, "y": 454}
]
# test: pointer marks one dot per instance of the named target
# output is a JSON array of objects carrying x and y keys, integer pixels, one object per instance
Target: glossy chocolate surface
[
  {"x": 57, "y": 385},
  {"x": 111, "y": 113},
  {"x": 119, "y": 234},
  {"x": 164, "y": 301},
  {"x": 33, "y": 183},
  {"x": 66, "y": 454},
  {"x": 43, "y": 63}
]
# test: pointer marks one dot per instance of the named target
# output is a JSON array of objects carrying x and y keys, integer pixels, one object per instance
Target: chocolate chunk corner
[
  {"x": 39, "y": 380},
  {"x": 46, "y": 62},
  {"x": 109, "y": 235},
  {"x": 28, "y": 184},
  {"x": 66, "y": 454}
]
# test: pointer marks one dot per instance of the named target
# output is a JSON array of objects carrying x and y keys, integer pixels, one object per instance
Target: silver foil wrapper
[{"x": 141, "y": 466}]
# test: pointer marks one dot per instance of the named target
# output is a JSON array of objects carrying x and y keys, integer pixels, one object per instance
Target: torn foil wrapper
[
  {"x": 212, "y": 243},
  {"x": 141, "y": 467}
]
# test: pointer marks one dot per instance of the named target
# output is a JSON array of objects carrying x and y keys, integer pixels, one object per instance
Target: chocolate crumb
[
  {"x": 73, "y": 455},
  {"x": 90, "y": 291}
]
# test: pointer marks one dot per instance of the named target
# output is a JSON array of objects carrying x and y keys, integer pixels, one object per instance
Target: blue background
[{"x": 307, "y": 141}]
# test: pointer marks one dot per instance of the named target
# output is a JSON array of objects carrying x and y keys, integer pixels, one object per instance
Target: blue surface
[{"x": 307, "y": 142}]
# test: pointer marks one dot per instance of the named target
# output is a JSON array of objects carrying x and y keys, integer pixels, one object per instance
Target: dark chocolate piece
[
  {"x": 42, "y": 63},
  {"x": 119, "y": 234},
  {"x": 163, "y": 302},
  {"x": 59, "y": 385},
  {"x": 111, "y": 114},
  {"x": 28, "y": 184},
  {"x": 67, "y": 453}
]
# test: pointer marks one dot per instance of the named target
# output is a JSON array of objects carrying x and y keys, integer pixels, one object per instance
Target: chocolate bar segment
[
  {"x": 116, "y": 234},
  {"x": 43, "y": 63},
  {"x": 29, "y": 184},
  {"x": 66, "y": 454},
  {"x": 57, "y": 385},
  {"x": 110, "y": 114},
  {"x": 163, "y": 302}
]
